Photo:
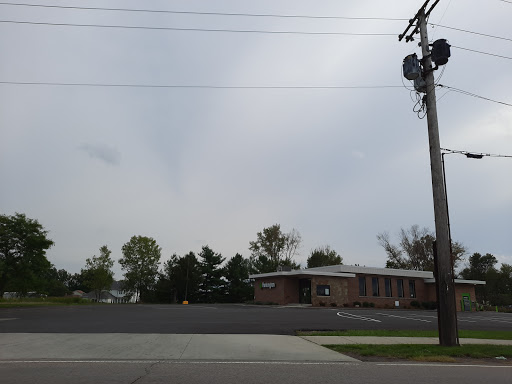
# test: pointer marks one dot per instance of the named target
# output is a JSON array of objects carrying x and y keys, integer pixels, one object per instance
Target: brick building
[{"x": 347, "y": 285}]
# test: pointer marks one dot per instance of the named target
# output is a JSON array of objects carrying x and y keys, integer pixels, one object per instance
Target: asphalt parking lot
[{"x": 228, "y": 319}]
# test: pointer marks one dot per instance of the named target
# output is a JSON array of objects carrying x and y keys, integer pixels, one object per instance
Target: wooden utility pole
[
  {"x": 447, "y": 312},
  {"x": 445, "y": 287}
]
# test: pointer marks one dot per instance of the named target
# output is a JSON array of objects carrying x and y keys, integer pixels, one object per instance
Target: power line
[
  {"x": 201, "y": 13},
  {"x": 473, "y": 154},
  {"x": 196, "y": 29},
  {"x": 195, "y": 86},
  {"x": 483, "y": 53},
  {"x": 472, "y": 32},
  {"x": 474, "y": 95}
]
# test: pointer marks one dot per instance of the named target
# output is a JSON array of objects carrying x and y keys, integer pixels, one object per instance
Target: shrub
[
  {"x": 357, "y": 303},
  {"x": 334, "y": 305},
  {"x": 322, "y": 304},
  {"x": 372, "y": 305},
  {"x": 366, "y": 304},
  {"x": 415, "y": 304},
  {"x": 429, "y": 304}
]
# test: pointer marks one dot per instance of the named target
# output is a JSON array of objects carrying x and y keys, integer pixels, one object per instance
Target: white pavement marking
[
  {"x": 435, "y": 317},
  {"x": 491, "y": 319},
  {"x": 356, "y": 317},
  {"x": 446, "y": 365},
  {"x": 11, "y": 318},
  {"x": 403, "y": 317},
  {"x": 187, "y": 307},
  {"x": 171, "y": 362}
]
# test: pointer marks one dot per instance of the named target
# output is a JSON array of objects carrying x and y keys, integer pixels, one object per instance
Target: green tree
[
  {"x": 324, "y": 256},
  {"x": 478, "y": 266},
  {"x": 211, "y": 282},
  {"x": 273, "y": 248},
  {"x": 141, "y": 257},
  {"x": 415, "y": 250},
  {"x": 183, "y": 276},
  {"x": 23, "y": 246},
  {"x": 483, "y": 268},
  {"x": 98, "y": 272},
  {"x": 236, "y": 272}
]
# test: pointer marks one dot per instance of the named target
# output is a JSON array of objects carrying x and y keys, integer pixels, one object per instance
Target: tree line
[{"x": 205, "y": 277}]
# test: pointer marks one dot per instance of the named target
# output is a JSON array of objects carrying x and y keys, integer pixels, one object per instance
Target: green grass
[
  {"x": 495, "y": 335},
  {"x": 422, "y": 352},
  {"x": 42, "y": 302}
]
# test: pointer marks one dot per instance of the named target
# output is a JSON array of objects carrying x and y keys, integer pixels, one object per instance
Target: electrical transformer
[
  {"x": 411, "y": 67},
  {"x": 420, "y": 85},
  {"x": 440, "y": 52}
]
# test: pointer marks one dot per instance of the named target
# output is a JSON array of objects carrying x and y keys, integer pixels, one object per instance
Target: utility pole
[{"x": 446, "y": 311}]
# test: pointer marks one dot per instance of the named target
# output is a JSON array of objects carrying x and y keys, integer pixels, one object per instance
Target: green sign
[{"x": 465, "y": 303}]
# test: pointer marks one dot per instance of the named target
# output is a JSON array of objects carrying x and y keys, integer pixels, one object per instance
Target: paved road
[
  {"x": 227, "y": 319},
  {"x": 145, "y": 372}
]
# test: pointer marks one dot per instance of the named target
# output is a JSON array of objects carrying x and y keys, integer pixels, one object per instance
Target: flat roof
[
  {"x": 374, "y": 271},
  {"x": 301, "y": 272},
  {"x": 460, "y": 281}
]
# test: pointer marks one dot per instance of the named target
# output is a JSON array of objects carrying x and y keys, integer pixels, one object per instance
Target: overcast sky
[{"x": 190, "y": 167}]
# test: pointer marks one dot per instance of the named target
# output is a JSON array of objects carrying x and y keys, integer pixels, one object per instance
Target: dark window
[
  {"x": 400, "y": 288},
  {"x": 323, "y": 290},
  {"x": 375, "y": 286},
  {"x": 362, "y": 286},
  {"x": 387, "y": 283},
  {"x": 412, "y": 288}
]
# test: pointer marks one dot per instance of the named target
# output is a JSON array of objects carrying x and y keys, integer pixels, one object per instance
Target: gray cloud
[
  {"x": 100, "y": 151},
  {"x": 215, "y": 166}
]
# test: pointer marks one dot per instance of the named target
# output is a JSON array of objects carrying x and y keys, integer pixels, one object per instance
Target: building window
[
  {"x": 362, "y": 286},
  {"x": 400, "y": 288},
  {"x": 323, "y": 290},
  {"x": 412, "y": 288},
  {"x": 387, "y": 284},
  {"x": 375, "y": 286}
]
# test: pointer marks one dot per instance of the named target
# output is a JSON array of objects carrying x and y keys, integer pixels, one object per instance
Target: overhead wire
[
  {"x": 474, "y": 95},
  {"x": 195, "y": 29},
  {"x": 199, "y": 12},
  {"x": 481, "y": 52},
  {"x": 112, "y": 85},
  {"x": 472, "y": 32},
  {"x": 473, "y": 153}
]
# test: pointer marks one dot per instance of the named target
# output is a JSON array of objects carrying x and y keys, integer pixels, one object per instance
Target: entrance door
[{"x": 304, "y": 291}]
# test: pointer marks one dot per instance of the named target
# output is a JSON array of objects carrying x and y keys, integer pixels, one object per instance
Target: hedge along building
[{"x": 347, "y": 285}]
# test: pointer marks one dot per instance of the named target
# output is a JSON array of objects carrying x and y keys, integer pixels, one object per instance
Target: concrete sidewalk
[
  {"x": 325, "y": 340},
  {"x": 126, "y": 346}
]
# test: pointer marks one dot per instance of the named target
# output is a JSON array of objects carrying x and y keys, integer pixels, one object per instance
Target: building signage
[{"x": 268, "y": 285}]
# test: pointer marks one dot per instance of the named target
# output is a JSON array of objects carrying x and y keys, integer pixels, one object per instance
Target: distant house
[{"x": 115, "y": 295}]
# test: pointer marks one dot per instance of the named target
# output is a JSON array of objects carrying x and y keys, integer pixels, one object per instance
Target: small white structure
[{"x": 116, "y": 295}]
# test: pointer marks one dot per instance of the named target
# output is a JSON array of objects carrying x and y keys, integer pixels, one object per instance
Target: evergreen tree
[
  {"x": 236, "y": 272},
  {"x": 211, "y": 281}
]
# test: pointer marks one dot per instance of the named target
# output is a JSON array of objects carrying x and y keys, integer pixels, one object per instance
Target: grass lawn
[
  {"x": 425, "y": 352},
  {"x": 497, "y": 335},
  {"x": 43, "y": 302}
]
